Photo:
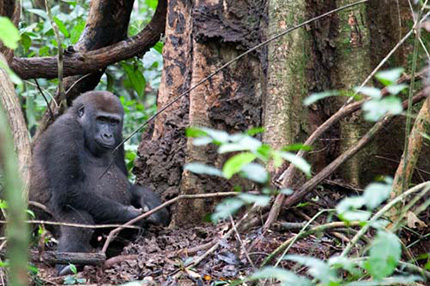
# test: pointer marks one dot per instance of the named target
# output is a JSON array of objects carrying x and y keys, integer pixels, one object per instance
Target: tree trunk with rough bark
[{"x": 200, "y": 37}]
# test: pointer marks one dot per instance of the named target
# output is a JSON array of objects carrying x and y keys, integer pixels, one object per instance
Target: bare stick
[
  {"x": 78, "y": 225},
  {"x": 118, "y": 259},
  {"x": 245, "y": 252},
  {"x": 44, "y": 97},
  {"x": 115, "y": 231}
]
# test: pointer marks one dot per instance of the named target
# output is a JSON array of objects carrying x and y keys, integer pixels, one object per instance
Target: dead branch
[
  {"x": 79, "y": 258},
  {"x": 92, "y": 61},
  {"x": 114, "y": 232},
  {"x": 78, "y": 225}
]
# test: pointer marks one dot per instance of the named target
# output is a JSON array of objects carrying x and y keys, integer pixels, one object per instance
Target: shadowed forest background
[{"x": 289, "y": 138}]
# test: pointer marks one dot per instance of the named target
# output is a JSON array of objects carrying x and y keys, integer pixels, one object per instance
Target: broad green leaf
[
  {"x": 245, "y": 143},
  {"x": 136, "y": 77},
  {"x": 217, "y": 135},
  {"x": 263, "y": 152},
  {"x": 234, "y": 164},
  {"x": 255, "y": 130},
  {"x": 317, "y": 268},
  {"x": 390, "y": 76},
  {"x": 194, "y": 132},
  {"x": 200, "y": 168},
  {"x": 373, "y": 92},
  {"x": 255, "y": 172},
  {"x": 61, "y": 27},
  {"x": 226, "y": 208},
  {"x": 376, "y": 193},
  {"x": 318, "y": 96},
  {"x": 286, "y": 277},
  {"x": 159, "y": 47},
  {"x": 297, "y": 147},
  {"x": 9, "y": 33},
  {"x": 297, "y": 161},
  {"x": 76, "y": 31},
  {"x": 259, "y": 200},
  {"x": 393, "y": 104},
  {"x": 384, "y": 255},
  {"x": 73, "y": 268},
  {"x": 202, "y": 141},
  {"x": 348, "y": 209},
  {"x": 39, "y": 12},
  {"x": 25, "y": 42},
  {"x": 286, "y": 192},
  {"x": 337, "y": 262},
  {"x": 396, "y": 88}
]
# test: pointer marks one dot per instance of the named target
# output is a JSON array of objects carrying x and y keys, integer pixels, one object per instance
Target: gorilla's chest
[{"x": 113, "y": 185}]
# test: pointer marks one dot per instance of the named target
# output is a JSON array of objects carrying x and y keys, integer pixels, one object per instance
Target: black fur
[{"x": 68, "y": 160}]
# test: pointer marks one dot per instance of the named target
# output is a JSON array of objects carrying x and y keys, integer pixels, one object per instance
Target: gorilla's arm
[{"x": 64, "y": 151}]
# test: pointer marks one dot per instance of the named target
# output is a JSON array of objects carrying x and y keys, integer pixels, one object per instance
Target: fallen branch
[
  {"x": 115, "y": 231},
  {"x": 78, "y": 225},
  {"x": 54, "y": 257}
]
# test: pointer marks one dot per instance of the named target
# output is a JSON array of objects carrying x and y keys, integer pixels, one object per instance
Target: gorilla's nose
[{"x": 107, "y": 135}]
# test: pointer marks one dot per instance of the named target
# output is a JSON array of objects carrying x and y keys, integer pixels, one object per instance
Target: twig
[
  {"x": 194, "y": 250},
  {"x": 245, "y": 252},
  {"x": 61, "y": 92},
  {"x": 44, "y": 97},
  {"x": 309, "y": 185},
  {"x": 76, "y": 82},
  {"x": 115, "y": 231},
  {"x": 381, "y": 212}
]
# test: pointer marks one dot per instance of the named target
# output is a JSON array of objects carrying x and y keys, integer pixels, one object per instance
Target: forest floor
[{"x": 159, "y": 257}]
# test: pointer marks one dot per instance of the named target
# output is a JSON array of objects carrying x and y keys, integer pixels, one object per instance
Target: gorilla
[{"x": 68, "y": 161}]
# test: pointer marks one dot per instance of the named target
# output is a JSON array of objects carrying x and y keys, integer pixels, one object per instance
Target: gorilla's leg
[
  {"x": 146, "y": 199},
  {"x": 74, "y": 239}
]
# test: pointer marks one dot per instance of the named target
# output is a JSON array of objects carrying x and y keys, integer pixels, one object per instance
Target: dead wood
[
  {"x": 118, "y": 259},
  {"x": 54, "y": 257}
]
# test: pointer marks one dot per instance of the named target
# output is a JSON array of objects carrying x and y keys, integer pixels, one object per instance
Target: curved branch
[{"x": 92, "y": 61}]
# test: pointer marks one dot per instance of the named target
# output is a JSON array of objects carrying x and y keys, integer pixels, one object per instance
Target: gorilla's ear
[{"x": 81, "y": 111}]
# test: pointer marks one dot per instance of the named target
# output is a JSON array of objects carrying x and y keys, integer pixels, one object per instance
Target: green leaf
[
  {"x": 255, "y": 130},
  {"x": 39, "y": 12},
  {"x": 13, "y": 77},
  {"x": 194, "y": 132},
  {"x": 200, "y": 168},
  {"x": 217, "y": 135},
  {"x": 395, "y": 280},
  {"x": 255, "y": 172},
  {"x": 348, "y": 209},
  {"x": 286, "y": 277},
  {"x": 136, "y": 77},
  {"x": 25, "y": 42},
  {"x": 318, "y": 96},
  {"x": 390, "y": 76},
  {"x": 226, "y": 208},
  {"x": 61, "y": 27},
  {"x": 234, "y": 164},
  {"x": 374, "y": 110},
  {"x": 9, "y": 33},
  {"x": 384, "y": 255},
  {"x": 396, "y": 88},
  {"x": 69, "y": 280},
  {"x": 243, "y": 143},
  {"x": 317, "y": 268},
  {"x": 76, "y": 31},
  {"x": 159, "y": 47},
  {"x": 73, "y": 268},
  {"x": 286, "y": 192},
  {"x": 259, "y": 200},
  {"x": 297, "y": 147},
  {"x": 297, "y": 161},
  {"x": 373, "y": 92},
  {"x": 376, "y": 193},
  {"x": 393, "y": 104}
]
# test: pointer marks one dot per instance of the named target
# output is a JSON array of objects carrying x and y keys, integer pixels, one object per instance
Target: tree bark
[{"x": 199, "y": 39}]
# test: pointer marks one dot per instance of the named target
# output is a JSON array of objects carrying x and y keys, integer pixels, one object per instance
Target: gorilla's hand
[
  {"x": 148, "y": 200},
  {"x": 133, "y": 212}
]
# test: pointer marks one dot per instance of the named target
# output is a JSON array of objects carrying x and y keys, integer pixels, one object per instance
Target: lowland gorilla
[{"x": 69, "y": 159}]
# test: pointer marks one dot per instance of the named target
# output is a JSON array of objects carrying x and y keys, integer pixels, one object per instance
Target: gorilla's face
[{"x": 102, "y": 130}]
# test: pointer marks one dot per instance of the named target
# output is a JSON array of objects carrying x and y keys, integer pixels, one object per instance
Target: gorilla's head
[{"x": 100, "y": 114}]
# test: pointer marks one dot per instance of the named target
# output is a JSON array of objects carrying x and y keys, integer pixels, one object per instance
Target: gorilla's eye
[{"x": 81, "y": 111}]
